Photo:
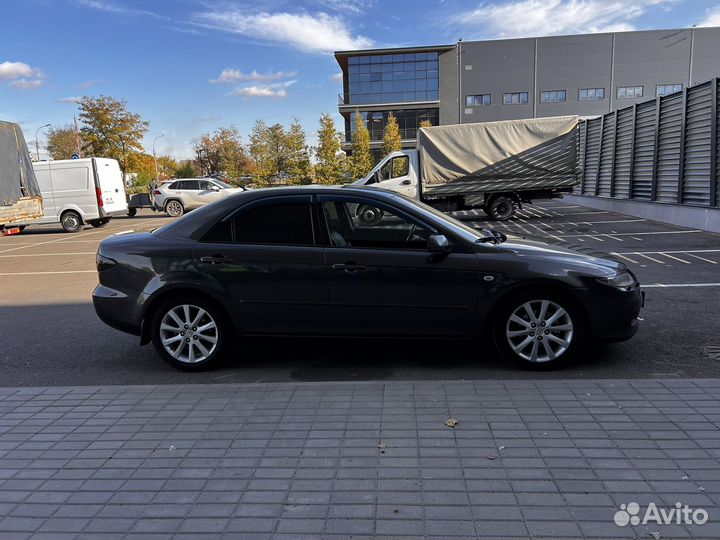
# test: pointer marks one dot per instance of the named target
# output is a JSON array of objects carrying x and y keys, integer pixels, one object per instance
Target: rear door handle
[
  {"x": 349, "y": 267},
  {"x": 216, "y": 259}
]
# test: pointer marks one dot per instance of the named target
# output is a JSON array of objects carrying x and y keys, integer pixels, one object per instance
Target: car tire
[
  {"x": 99, "y": 223},
  {"x": 501, "y": 208},
  {"x": 550, "y": 340},
  {"x": 198, "y": 347},
  {"x": 131, "y": 212},
  {"x": 71, "y": 221},
  {"x": 369, "y": 215},
  {"x": 174, "y": 208}
]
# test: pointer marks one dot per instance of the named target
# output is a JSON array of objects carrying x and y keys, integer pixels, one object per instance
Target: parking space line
[
  {"x": 674, "y": 258},
  {"x": 670, "y": 251},
  {"x": 638, "y": 233},
  {"x": 650, "y": 258},
  {"x": 701, "y": 258},
  {"x": 47, "y": 254},
  {"x": 7, "y": 274},
  {"x": 626, "y": 258},
  {"x": 675, "y": 285}
]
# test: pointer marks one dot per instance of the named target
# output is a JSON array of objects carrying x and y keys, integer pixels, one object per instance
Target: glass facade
[
  {"x": 408, "y": 121},
  {"x": 392, "y": 78}
]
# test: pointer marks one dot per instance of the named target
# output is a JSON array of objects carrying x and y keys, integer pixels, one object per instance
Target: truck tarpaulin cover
[
  {"x": 492, "y": 156},
  {"x": 17, "y": 178}
]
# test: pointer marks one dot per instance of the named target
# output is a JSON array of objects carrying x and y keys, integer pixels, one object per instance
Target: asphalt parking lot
[{"x": 51, "y": 336}]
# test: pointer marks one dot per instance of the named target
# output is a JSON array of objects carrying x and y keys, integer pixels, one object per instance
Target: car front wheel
[
  {"x": 190, "y": 333},
  {"x": 539, "y": 330}
]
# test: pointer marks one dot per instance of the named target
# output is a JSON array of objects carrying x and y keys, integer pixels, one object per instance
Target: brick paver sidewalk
[{"x": 361, "y": 460}]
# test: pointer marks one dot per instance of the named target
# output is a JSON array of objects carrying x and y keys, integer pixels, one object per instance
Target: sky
[{"x": 191, "y": 66}]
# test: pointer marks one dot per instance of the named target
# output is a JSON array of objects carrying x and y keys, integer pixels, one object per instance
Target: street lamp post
[
  {"x": 37, "y": 144},
  {"x": 155, "y": 157}
]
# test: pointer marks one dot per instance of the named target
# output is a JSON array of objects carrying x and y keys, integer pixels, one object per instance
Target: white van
[{"x": 80, "y": 191}]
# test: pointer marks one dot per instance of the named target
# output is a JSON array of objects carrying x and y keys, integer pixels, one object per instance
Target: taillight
[
  {"x": 157, "y": 192},
  {"x": 98, "y": 194},
  {"x": 104, "y": 263}
]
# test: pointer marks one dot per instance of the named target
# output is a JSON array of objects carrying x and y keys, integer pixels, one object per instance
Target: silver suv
[{"x": 177, "y": 196}]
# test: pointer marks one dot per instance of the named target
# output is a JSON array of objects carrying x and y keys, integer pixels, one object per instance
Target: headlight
[
  {"x": 624, "y": 281},
  {"x": 103, "y": 263}
]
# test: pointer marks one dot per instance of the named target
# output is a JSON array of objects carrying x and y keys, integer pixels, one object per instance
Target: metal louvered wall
[{"x": 664, "y": 150}]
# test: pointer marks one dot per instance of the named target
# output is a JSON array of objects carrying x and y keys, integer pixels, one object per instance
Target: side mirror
[
  {"x": 438, "y": 243},
  {"x": 215, "y": 188}
]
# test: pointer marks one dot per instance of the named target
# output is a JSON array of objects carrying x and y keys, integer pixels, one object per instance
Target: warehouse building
[{"x": 589, "y": 75}]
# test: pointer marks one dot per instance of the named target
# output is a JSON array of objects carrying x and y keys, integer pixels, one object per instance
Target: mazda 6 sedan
[{"x": 299, "y": 261}]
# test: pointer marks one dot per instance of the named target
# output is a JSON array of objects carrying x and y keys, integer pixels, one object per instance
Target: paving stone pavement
[{"x": 536, "y": 459}]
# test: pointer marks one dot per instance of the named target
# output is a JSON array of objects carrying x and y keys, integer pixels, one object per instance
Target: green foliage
[
  {"x": 221, "y": 153},
  {"x": 361, "y": 158},
  {"x": 329, "y": 166},
  {"x": 392, "y": 141},
  {"x": 267, "y": 147},
  {"x": 186, "y": 169},
  {"x": 297, "y": 153},
  {"x": 110, "y": 130}
]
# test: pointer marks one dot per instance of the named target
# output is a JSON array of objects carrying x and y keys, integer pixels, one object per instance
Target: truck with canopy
[
  {"x": 495, "y": 166},
  {"x": 20, "y": 198}
]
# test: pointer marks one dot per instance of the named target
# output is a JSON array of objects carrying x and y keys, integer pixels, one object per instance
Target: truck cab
[{"x": 398, "y": 171}]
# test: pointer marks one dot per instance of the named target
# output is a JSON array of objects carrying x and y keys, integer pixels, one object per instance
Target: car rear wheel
[
  {"x": 190, "y": 333},
  {"x": 131, "y": 212},
  {"x": 71, "y": 221},
  {"x": 539, "y": 330},
  {"x": 501, "y": 208},
  {"x": 174, "y": 208}
]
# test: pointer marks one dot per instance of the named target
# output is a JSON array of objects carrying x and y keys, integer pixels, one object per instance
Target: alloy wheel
[
  {"x": 189, "y": 333},
  {"x": 539, "y": 331},
  {"x": 174, "y": 208}
]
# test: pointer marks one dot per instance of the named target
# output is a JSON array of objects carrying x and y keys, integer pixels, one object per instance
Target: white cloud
[
  {"x": 277, "y": 90},
  {"x": 117, "y": 9},
  {"x": 309, "y": 33},
  {"x": 712, "y": 17},
  {"x": 209, "y": 118},
  {"x": 356, "y": 6},
  {"x": 10, "y": 71},
  {"x": 337, "y": 76},
  {"x": 69, "y": 99},
  {"x": 27, "y": 84},
  {"x": 230, "y": 75},
  {"x": 88, "y": 84},
  {"x": 527, "y": 18}
]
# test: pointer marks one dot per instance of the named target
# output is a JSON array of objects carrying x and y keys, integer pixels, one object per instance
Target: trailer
[
  {"x": 495, "y": 166},
  {"x": 20, "y": 198}
]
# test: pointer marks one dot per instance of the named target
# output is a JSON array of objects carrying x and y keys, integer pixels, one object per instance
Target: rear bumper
[{"x": 116, "y": 309}]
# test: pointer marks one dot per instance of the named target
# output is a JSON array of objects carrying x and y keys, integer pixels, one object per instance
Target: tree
[
  {"x": 110, "y": 130},
  {"x": 425, "y": 123},
  {"x": 361, "y": 158},
  {"x": 392, "y": 141},
  {"x": 298, "y": 164},
  {"x": 221, "y": 153},
  {"x": 329, "y": 166},
  {"x": 186, "y": 168},
  {"x": 268, "y": 151},
  {"x": 62, "y": 142}
]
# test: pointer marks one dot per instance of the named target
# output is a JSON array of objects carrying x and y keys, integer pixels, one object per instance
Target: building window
[
  {"x": 392, "y": 78},
  {"x": 665, "y": 89},
  {"x": 478, "y": 100},
  {"x": 515, "y": 98},
  {"x": 552, "y": 96},
  {"x": 630, "y": 91},
  {"x": 408, "y": 120},
  {"x": 591, "y": 94}
]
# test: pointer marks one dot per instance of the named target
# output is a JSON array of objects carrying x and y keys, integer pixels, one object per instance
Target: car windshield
[{"x": 456, "y": 226}]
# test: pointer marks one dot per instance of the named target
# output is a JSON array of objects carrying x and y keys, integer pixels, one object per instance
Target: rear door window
[
  {"x": 281, "y": 223},
  {"x": 189, "y": 185}
]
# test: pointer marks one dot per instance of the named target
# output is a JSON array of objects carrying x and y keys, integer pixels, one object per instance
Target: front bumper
[
  {"x": 614, "y": 314},
  {"x": 116, "y": 309}
]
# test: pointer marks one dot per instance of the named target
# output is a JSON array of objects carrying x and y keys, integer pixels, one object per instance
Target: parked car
[
  {"x": 76, "y": 192},
  {"x": 299, "y": 261},
  {"x": 177, "y": 196}
]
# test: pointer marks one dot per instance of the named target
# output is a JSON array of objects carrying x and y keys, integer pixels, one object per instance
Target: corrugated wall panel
[
  {"x": 578, "y": 189},
  {"x": 644, "y": 151},
  {"x": 696, "y": 171},
  {"x": 669, "y": 143},
  {"x": 592, "y": 155},
  {"x": 623, "y": 153},
  {"x": 717, "y": 143},
  {"x": 604, "y": 188}
]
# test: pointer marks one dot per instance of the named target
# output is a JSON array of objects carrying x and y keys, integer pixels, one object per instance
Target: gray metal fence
[{"x": 664, "y": 150}]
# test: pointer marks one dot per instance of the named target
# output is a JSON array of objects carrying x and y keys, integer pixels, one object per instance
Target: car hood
[{"x": 541, "y": 250}]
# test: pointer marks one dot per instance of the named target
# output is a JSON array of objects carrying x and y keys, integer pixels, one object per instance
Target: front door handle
[
  {"x": 406, "y": 182},
  {"x": 349, "y": 267},
  {"x": 216, "y": 259}
]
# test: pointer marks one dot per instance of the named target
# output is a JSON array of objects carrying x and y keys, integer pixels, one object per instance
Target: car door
[
  {"x": 396, "y": 175},
  {"x": 383, "y": 280},
  {"x": 209, "y": 192},
  {"x": 264, "y": 258},
  {"x": 190, "y": 190}
]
